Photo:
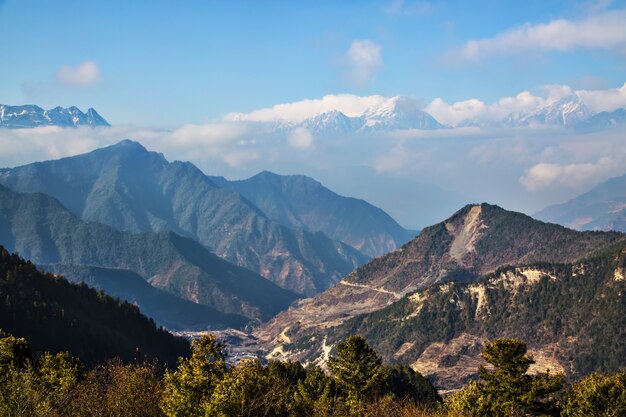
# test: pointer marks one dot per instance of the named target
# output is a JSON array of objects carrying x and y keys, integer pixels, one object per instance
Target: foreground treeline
[{"x": 356, "y": 384}]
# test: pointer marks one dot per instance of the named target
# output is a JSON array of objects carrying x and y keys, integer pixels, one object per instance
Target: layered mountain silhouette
[
  {"x": 601, "y": 208},
  {"x": 29, "y": 116},
  {"x": 43, "y": 231},
  {"x": 301, "y": 202},
  {"x": 477, "y": 240},
  {"x": 57, "y": 316},
  {"x": 166, "y": 309},
  {"x": 131, "y": 189}
]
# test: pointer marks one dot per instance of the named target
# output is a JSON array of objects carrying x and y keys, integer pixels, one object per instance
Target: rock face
[
  {"x": 300, "y": 202},
  {"x": 601, "y": 208},
  {"x": 28, "y": 116},
  {"x": 131, "y": 189},
  {"x": 43, "y": 231},
  {"x": 475, "y": 241}
]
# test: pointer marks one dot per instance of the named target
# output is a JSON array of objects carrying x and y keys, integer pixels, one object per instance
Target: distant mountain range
[
  {"x": 40, "y": 229},
  {"x": 395, "y": 113},
  {"x": 402, "y": 113},
  {"x": 131, "y": 189},
  {"x": 477, "y": 240},
  {"x": 29, "y": 116},
  {"x": 601, "y": 208},
  {"x": 301, "y": 202}
]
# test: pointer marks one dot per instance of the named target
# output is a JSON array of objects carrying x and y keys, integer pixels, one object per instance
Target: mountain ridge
[
  {"x": 298, "y": 201},
  {"x": 42, "y": 230},
  {"x": 30, "y": 116},
  {"x": 601, "y": 208},
  {"x": 130, "y": 188},
  {"x": 476, "y": 240}
]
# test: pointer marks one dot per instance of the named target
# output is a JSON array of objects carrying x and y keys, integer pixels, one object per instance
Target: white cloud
[
  {"x": 363, "y": 60},
  {"x": 577, "y": 162},
  {"x": 449, "y": 114},
  {"x": 474, "y": 109},
  {"x": 211, "y": 137},
  {"x": 452, "y": 114},
  {"x": 349, "y": 104},
  {"x": 300, "y": 138},
  {"x": 86, "y": 74},
  {"x": 604, "y": 100},
  {"x": 605, "y": 30}
]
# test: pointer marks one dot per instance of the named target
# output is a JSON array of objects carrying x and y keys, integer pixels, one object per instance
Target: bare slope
[{"x": 476, "y": 240}]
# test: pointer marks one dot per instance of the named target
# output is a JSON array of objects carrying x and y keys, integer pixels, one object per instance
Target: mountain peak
[
  {"x": 129, "y": 143},
  {"x": 399, "y": 112},
  {"x": 29, "y": 116}
]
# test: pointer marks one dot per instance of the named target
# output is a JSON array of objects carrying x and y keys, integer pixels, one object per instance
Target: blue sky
[
  {"x": 169, "y": 74},
  {"x": 165, "y": 63}
]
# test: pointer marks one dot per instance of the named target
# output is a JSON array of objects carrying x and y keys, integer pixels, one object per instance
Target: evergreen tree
[
  {"x": 249, "y": 389},
  {"x": 357, "y": 370},
  {"x": 315, "y": 395},
  {"x": 597, "y": 395},
  {"x": 189, "y": 387},
  {"x": 508, "y": 390}
]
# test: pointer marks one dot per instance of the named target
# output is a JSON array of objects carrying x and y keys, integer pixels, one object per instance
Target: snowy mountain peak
[
  {"x": 566, "y": 111},
  {"x": 28, "y": 116},
  {"x": 399, "y": 113},
  {"x": 333, "y": 121}
]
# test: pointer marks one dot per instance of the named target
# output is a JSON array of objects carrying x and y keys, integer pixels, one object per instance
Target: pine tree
[
  {"x": 508, "y": 390},
  {"x": 357, "y": 370},
  {"x": 190, "y": 386}
]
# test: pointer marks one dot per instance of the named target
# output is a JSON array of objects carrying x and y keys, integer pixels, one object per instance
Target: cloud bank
[
  {"x": 296, "y": 112},
  {"x": 603, "y": 31}
]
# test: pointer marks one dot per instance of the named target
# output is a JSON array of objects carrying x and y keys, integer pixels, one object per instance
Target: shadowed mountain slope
[
  {"x": 164, "y": 308},
  {"x": 40, "y": 229}
]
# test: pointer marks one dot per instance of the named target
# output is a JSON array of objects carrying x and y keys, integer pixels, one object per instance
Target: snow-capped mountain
[
  {"x": 567, "y": 111},
  {"x": 396, "y": 113},
  {"x": 333, "y": 121},
  {"x": 347, "y": 114},
  {"x": 399, "y": 113},
  {"x": 27, "y": 116},
  {"x": 604, "y": 120}
]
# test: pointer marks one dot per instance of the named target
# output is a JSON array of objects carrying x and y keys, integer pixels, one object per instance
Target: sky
[{"x": 172, "y": 74}]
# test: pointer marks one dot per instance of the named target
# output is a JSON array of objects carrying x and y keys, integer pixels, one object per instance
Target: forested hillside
[{"x": 55, "y": 315}]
